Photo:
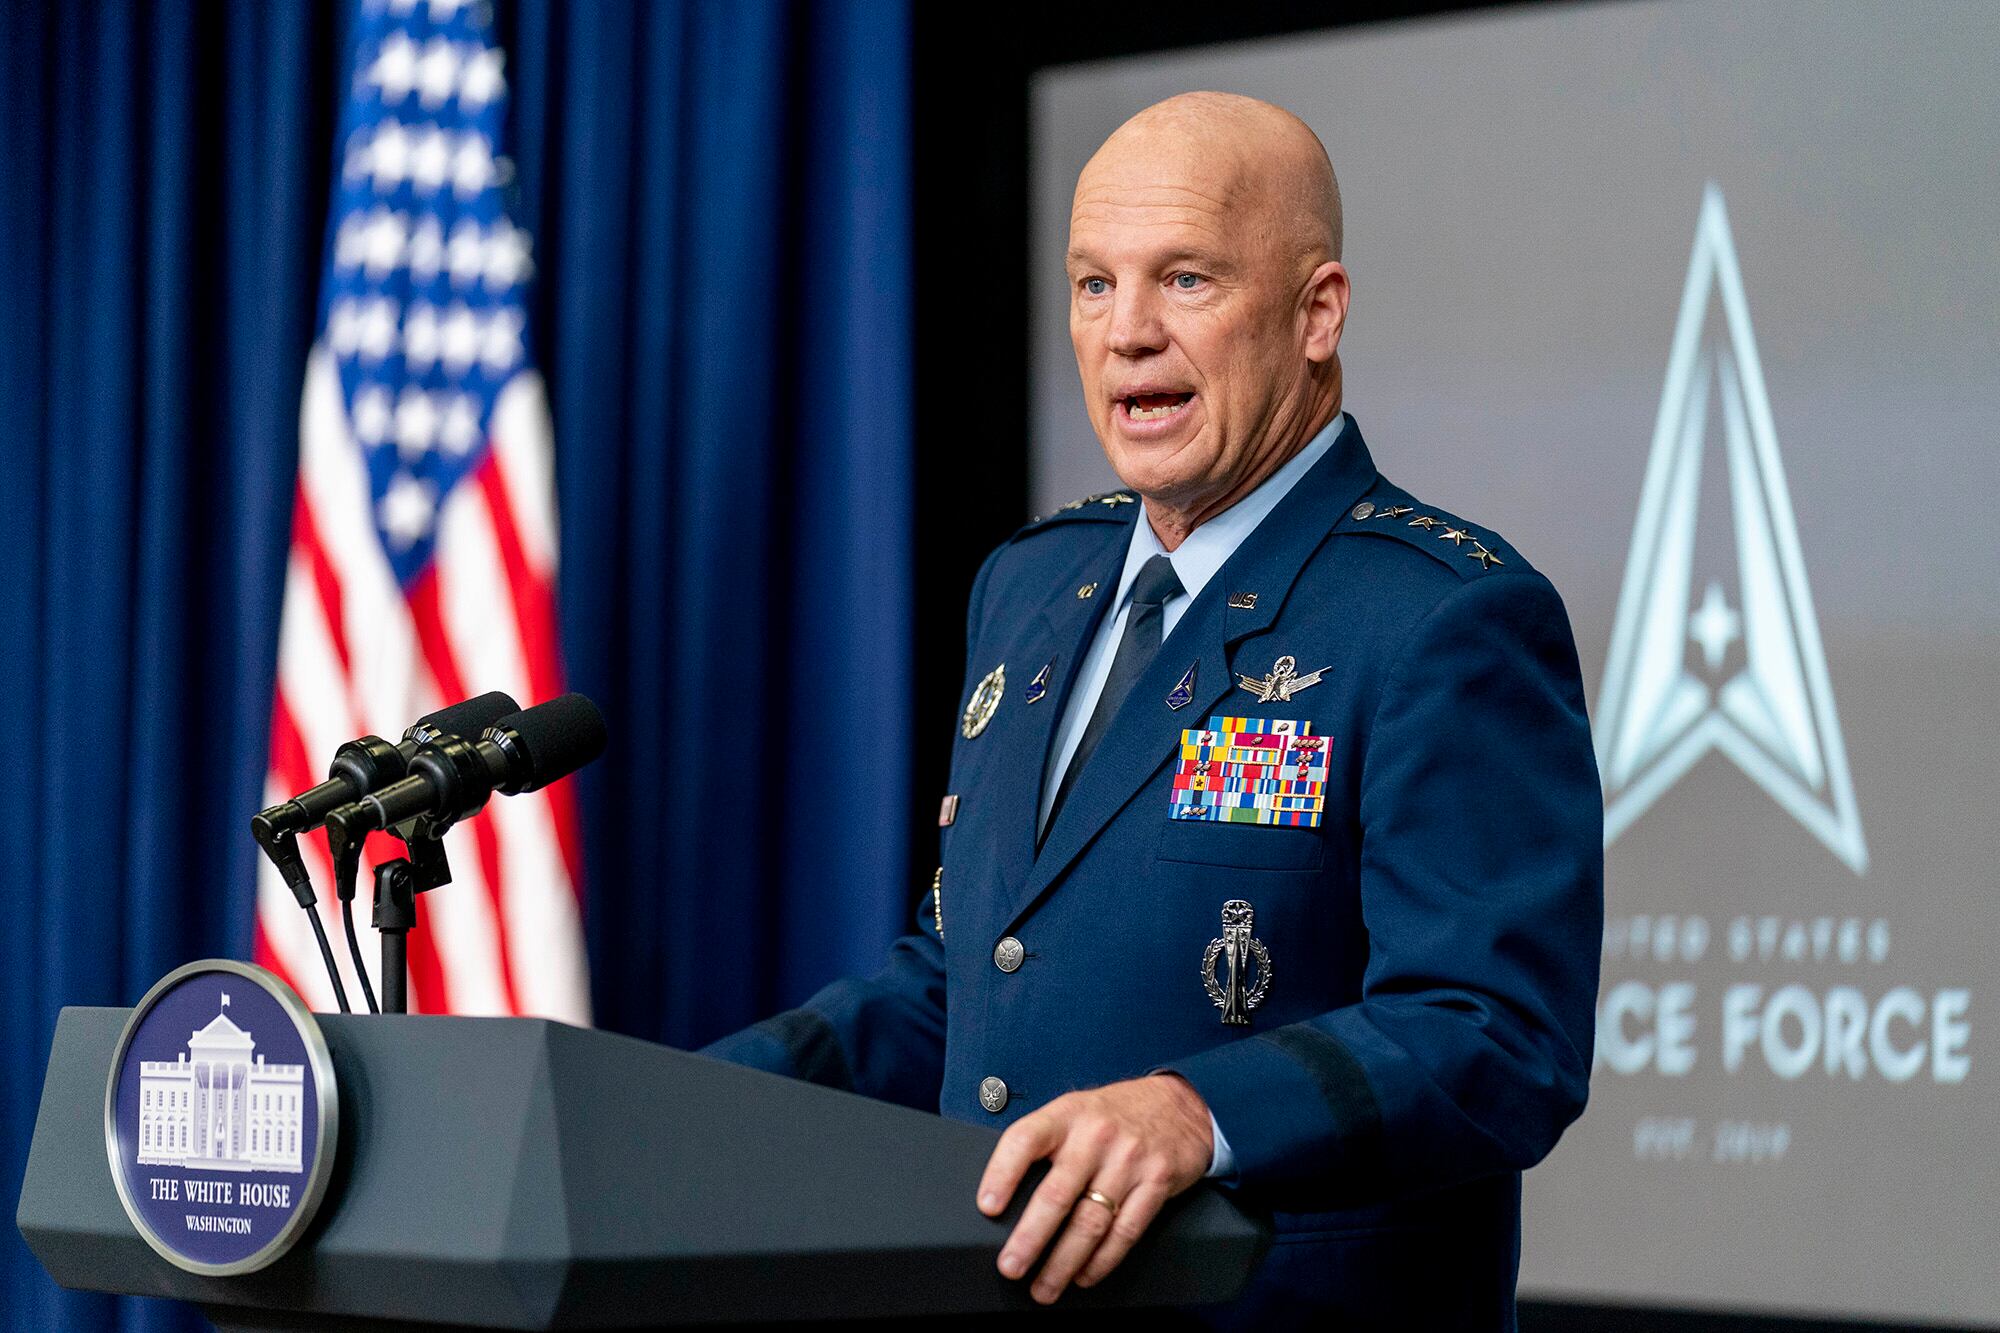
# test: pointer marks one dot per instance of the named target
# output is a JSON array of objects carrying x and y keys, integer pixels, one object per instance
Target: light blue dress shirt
[{"x": 1195, "y": 562}]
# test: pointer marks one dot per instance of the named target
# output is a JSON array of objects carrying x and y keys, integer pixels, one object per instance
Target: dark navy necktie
[{"x": 1143, "y": 624}]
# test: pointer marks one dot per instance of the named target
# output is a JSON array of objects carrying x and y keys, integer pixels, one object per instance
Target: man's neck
[{"x": 1172, "y": 523}]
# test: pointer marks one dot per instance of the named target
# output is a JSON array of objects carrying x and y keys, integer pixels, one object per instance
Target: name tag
[{"x": 1251, "y": 770}]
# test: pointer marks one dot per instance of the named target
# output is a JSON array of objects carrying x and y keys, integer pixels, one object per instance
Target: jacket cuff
[
  {"x": 1221, "y": 1157},
  {"x": 798, "y": 1044},
  {"x": 1293, "y": 1104}
]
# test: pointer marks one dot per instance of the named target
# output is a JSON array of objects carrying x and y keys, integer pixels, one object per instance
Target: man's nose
[{"x": 1136, "y": 328}]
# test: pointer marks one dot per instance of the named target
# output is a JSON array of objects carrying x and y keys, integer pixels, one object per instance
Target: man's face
[{"x": 1188, "y": 323}]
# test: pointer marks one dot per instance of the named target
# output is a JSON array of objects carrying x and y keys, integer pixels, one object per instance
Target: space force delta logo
[{"x": 1741, "y": 669}]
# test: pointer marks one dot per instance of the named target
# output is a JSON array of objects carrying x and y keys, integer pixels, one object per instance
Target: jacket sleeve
[
  {"x": 882, "y": 1036},
  {"x": 1481, "y": 883}
]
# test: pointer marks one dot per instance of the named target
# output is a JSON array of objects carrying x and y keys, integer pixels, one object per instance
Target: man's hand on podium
[{"x": 1117, "y": 1154}]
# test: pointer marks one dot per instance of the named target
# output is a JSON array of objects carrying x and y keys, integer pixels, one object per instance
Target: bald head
[
  {"x": 1264, "y": 164},
  {"x": 1207, "y": 299}
]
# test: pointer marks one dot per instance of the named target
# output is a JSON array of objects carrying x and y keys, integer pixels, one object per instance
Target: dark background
[{"x": 262, "y": 87}]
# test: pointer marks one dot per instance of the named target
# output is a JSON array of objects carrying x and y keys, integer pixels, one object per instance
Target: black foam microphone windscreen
[
  {"x": 550, "y": 740},
  {"x": 466, "y": 719}
]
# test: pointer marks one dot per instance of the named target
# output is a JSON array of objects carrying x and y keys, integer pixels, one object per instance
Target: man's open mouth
[{"x": 1154, "y": 406}]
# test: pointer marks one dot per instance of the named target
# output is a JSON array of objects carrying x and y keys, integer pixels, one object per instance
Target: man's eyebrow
[{"x": 1204, "y": 260}]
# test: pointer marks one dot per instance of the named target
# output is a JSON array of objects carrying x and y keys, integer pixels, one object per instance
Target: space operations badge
[
  {"x": 1251, "y": 770},
  {"x": 221, "y": 1117}
]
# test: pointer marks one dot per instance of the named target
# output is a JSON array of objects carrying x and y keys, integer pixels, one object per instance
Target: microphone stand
[
  {"x": 395, "y": 918},
  {"x": 397, "y": 884}
]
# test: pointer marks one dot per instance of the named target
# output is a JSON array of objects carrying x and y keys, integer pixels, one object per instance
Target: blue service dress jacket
[{"x": 1429, "y": 949}]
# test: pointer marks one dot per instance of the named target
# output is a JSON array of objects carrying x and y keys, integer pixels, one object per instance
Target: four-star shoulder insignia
[
  {"x": 1108, "y": 507},
  {"x": 1110, "y": 500},
  {"x": 1440, "y": 526}
]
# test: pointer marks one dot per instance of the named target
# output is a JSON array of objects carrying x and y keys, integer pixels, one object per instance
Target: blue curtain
[{"x": 720, "y": 197}]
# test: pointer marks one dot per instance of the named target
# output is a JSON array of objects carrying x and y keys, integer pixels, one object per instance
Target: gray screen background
[{"x": 1521, "y": 196}]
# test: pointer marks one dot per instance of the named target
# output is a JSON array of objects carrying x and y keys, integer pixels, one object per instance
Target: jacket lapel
[
  {"x": 1058, "y": 638},
  {"x": 1143, "y": 735}
]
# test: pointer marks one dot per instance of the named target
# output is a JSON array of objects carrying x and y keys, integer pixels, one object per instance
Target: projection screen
[{"x": 1696, "y": 303}]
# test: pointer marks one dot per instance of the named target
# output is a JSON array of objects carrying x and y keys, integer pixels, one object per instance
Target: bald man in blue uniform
[{"x": 1273, "y": 846}]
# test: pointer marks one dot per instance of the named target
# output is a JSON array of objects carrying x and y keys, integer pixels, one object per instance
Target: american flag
[{"x": 423, "y": 554}]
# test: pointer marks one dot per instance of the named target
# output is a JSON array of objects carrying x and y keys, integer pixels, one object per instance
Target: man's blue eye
[
  {"x": 1095, "y": 286},
  {"x": 1187, "y": 282}
]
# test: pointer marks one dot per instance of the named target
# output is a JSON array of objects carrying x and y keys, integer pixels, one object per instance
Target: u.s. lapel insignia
[
  {"x": 1242, "y": 601},
  {"x": 985, "y": 702},
  {"x": 1238, "y": 948},
  {"x": 1183, "y": 694},
  {"x": 1084, "y": 593},
  {"x": 1283, "y": 682},
  {"x": 1039, "y": 686}
]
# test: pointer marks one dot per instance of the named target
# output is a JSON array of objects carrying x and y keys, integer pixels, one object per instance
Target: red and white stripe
[{"x": 357, "y": 655}]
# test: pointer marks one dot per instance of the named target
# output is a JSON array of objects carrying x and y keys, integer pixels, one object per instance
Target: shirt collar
[{"x": 1209, "y": 546}]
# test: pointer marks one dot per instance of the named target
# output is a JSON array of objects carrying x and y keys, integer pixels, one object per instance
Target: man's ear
[{"x": 1325, "y": 309}]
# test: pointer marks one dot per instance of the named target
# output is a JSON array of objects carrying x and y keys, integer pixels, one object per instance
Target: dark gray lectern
[{"x": 517, "y": 1173}]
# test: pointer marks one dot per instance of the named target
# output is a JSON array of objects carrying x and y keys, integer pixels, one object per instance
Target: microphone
[
  {"x": 358, "y": 767},
  {"x": 450, "y": 778},
  {"x": 364, "y": 765}
]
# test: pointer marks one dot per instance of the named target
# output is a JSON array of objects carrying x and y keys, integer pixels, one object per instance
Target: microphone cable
[
  {"x": 346, "y": 866},
  {"x": 326, "y": 953}
]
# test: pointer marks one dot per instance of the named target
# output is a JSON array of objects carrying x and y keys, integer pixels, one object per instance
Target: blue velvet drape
[{"x": 720, "y": 198}]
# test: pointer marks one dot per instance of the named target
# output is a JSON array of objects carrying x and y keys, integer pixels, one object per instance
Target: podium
[{"x": 521, "y": 1173}]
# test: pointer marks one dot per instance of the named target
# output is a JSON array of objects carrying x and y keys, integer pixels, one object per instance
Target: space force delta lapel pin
[{"x": 221, "y": 1118}]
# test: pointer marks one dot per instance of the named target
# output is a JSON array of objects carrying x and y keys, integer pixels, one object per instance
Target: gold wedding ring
[{"x": 1098, "y": 1196}]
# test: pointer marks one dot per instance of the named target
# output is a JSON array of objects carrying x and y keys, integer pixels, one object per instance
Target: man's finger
[
  {"x": 1050, "y": 1204},
  {"x": 1134, "y": 1216},
  {"x": 1026, "y": 1142},
  {"x": 1090, "y": 1223}
]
